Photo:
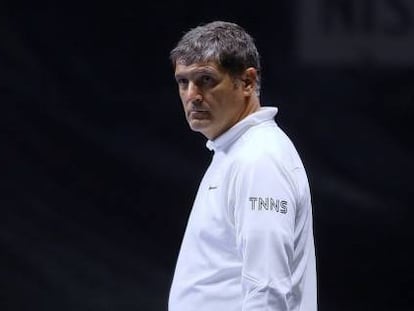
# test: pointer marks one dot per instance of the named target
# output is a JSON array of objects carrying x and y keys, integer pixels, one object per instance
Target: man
[{"x": 249, "y": 239}]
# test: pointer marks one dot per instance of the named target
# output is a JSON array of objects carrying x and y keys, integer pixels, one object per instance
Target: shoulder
[{"x": 266, "y": 145}]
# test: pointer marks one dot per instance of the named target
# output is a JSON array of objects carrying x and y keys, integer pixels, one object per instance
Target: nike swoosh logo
[{"x": 212, "y": 187}]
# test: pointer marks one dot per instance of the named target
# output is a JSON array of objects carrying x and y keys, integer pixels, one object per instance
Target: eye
[
  {"x": 182, "y": 82},
  {"x": 206, "y": 80}
]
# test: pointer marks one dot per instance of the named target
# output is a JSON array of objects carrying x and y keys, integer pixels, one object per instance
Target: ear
[{"x": 249, "y": 81}]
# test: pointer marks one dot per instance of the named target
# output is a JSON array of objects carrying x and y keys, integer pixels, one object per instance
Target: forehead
[{"x": 198, "y": 68}]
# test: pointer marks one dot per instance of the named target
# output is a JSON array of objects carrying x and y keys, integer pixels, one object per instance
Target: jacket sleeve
[{"x": 264, "y": 210}]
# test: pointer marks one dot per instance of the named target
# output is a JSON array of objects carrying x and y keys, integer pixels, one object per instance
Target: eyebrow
[{"x": 198, "y": 71}]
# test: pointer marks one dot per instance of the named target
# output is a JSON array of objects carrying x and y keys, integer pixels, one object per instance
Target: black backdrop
[{"x": 99, "y": 168}]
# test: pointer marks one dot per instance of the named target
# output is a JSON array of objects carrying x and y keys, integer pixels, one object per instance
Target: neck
[{"x": 252, "y": 105}]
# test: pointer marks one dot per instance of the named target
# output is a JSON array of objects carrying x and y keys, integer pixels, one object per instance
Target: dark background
[{"x": 99, "y": 168}]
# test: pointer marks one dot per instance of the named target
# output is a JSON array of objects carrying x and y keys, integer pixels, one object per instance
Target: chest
[{"x": 212, "y": 218}]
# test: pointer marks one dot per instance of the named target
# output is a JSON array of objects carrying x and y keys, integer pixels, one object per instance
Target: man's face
[{"x": 213, "y": 101}]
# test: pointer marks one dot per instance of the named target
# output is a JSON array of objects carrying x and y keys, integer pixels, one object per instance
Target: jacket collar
[{"x": 231, "y": 135}]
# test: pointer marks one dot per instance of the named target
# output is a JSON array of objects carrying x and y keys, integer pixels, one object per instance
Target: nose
[{"x": 194, "y": 95}]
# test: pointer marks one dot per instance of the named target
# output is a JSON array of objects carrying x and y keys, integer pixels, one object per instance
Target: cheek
[
  {"x": 181, "y": 92},
  {"x": 184, "y": 108},
  {"x": 183, "y": 100},
  {"x": 220, "y": 99},
  {"x": 228, "y": 102}
]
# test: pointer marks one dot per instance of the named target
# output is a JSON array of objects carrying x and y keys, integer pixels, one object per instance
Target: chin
[
  {"x": 198, "y": 128},
  {"x": 197, "y": 125}
]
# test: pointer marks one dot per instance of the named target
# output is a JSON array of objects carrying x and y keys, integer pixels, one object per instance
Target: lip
[{"x": 198, "y": 113}]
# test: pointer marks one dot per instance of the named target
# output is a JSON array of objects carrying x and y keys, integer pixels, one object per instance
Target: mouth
[{"x": 198, "y": 113}]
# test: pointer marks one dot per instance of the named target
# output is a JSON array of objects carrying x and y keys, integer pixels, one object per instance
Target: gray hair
[{"x": 225, "y": 43}]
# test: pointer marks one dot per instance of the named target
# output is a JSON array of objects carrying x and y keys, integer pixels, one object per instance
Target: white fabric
[{"x": 249, "y": 243}]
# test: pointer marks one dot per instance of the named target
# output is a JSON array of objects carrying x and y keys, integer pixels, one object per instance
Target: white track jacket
[{"x": 249, "y": 243}]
